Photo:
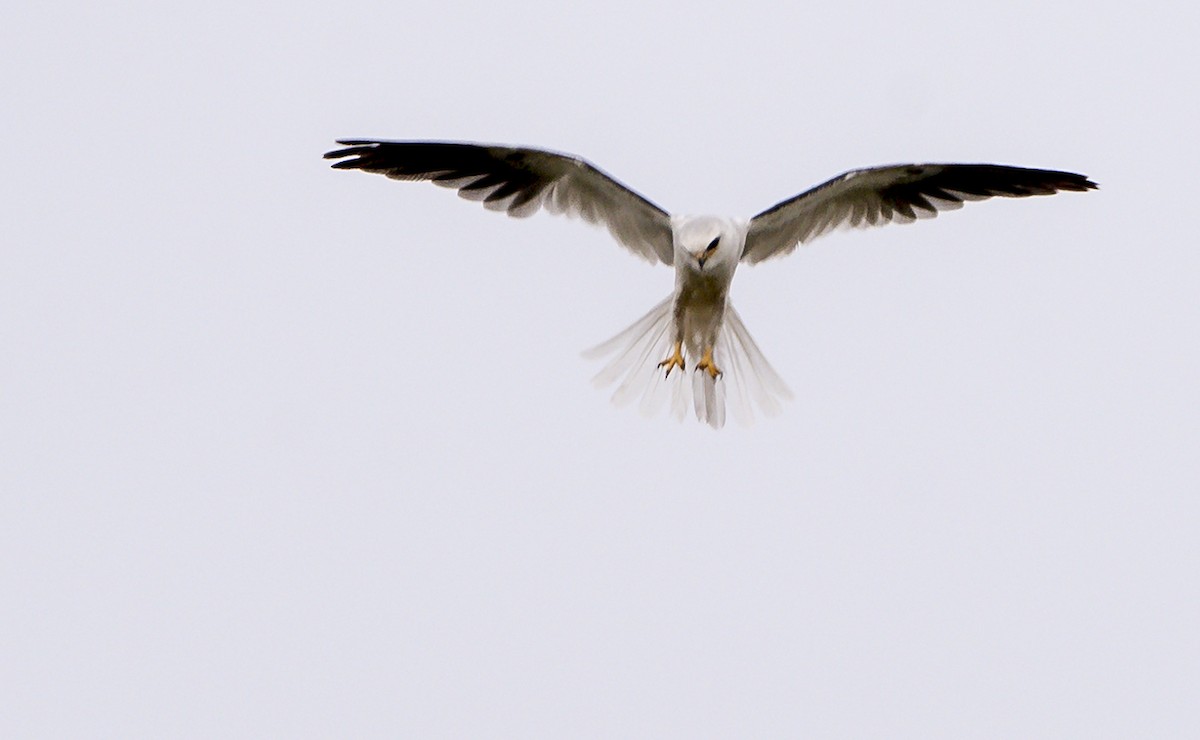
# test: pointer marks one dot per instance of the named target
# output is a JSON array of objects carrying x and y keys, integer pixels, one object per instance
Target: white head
[{"x": 707, "y": 243}]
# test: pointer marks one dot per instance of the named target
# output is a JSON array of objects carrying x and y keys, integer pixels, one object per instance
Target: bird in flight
[{"x": 695, "y": 327}]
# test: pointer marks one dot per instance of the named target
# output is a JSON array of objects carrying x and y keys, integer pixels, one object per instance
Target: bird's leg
[
  {"x": 707, "y": 365},
  {"x": 675, "y": 360}
]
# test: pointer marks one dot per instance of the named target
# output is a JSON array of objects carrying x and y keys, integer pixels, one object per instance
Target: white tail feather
[{"x": 748, "y": 380}]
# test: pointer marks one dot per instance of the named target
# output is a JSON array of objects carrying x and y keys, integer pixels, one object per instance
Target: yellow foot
[
  {"x": 675, "y": 360},
  {"x": 707, "y": 365}
]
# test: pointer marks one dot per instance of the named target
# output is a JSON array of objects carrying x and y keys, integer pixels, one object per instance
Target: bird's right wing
[
  {"x": 521, "y": 182},
  {"x": 902, "y": 193}
]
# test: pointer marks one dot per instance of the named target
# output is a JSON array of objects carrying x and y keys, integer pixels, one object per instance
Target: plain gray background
[{"x": 289, "y": 452}]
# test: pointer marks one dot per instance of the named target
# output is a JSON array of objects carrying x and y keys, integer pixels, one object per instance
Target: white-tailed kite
[{"x": 695, "y": 326}]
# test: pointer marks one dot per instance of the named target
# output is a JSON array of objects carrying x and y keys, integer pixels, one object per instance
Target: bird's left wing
[
  {"x": 902, "y": 193},
  {"x": 520, "y": 182}
]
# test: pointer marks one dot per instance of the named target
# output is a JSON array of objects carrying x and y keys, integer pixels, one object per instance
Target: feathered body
[
  {"x": 698, "y": 315},
  {"x": 702, "y": 282}
]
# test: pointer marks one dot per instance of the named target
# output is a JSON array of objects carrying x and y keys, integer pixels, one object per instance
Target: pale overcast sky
[{"x": 290, "y": 452}]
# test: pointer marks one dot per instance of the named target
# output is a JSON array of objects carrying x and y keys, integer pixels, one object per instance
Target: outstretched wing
[
  {"x": 520, "y": 182},
  {"x": 903, "y": 193}
]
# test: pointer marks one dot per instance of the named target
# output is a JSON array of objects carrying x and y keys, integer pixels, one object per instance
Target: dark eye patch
[{"x": 713, "y": 244}]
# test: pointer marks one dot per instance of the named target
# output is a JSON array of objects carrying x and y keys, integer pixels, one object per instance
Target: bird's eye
[{"x": 713, "y": 244}]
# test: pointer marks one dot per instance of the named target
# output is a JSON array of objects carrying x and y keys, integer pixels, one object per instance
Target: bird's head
[{"x": 705, "y": 243}]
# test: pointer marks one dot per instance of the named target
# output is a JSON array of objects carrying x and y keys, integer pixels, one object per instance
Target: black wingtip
[
  {"x": 356, "y": 146},
  {"x": 1077, "y": 183}
]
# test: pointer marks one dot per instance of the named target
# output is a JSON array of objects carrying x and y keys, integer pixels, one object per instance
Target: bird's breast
[{"x": 699, "y": 287}]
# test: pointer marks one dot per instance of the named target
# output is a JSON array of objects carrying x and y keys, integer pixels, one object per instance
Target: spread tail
[{"x": 634, "y": 354}]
